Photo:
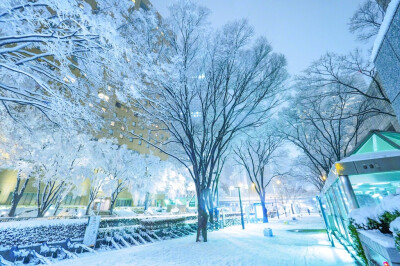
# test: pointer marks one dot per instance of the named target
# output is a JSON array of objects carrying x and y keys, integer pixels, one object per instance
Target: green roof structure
[{"x": 378, "y": 141}]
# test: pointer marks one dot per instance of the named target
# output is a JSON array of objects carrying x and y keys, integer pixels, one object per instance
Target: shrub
[
  {"x": 357, "y": 242},
  {"x": 28, "y": 233},
  {"x": 117, "y": 222}
]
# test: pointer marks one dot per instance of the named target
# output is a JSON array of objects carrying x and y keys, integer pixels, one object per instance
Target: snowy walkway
[{"x": 233, "y": 246}]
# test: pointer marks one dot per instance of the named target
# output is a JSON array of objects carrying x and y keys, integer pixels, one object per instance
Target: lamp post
[
  {"x": 240, "y": 203},
  {"x": 276, "y": 204}
]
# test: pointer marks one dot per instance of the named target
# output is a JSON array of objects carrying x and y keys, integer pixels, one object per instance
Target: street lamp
[
  {"x": 278, "y": 182},
  {"x": 240, "y": 202}
]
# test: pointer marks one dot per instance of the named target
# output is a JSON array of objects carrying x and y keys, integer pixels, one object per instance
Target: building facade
[{"x": 386, "y": 53}]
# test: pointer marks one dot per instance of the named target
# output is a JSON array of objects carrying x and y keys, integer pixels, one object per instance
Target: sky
[{"x": 303, "y": 30}]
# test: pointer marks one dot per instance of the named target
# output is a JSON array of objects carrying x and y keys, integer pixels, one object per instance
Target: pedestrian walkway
[{"x": 234, "y": 246}]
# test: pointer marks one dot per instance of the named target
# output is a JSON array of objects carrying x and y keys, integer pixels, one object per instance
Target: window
[
  {"x": 68, "y": 200},
  {"x": 120, "y": 136},
  {"x": 118, "y": 104},
  {"x": 77, "y": 201},
  {"x": 139, "y": 142},
  {"x": 130, "y": 139},
  {"x": 133, "y": 124},
  {"x": 123, "y": 203},
  {"x": 112, "y": 123},
  {"x": 103, "y": 109},
  {"x": 110, "y": 131},
  {"x": 123, "y": 128},
  {"x": 124, "y": 119}
]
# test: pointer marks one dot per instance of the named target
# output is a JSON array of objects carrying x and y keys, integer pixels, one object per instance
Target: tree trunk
[
  {"x": 40, "y": 213},
  {"x": 291, "y": 206},
  {"x": 202, "y": 218},
  {"x": 211, "y": 208},
  {"x": 265, "y": 211},
  {"x": 14, "y": 204},
  {"x": 146, "y": 201},
  {"x": 17, "y": 196},
  {"x": 112, "y": 206},
  {"x": 88, "y": 207},
  {"x": 58, "y": 204}
]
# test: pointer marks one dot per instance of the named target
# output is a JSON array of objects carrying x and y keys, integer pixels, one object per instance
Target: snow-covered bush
[
  {"x": 380, "y": 217},
  {"x": 395, "y": 228},
  {"x": 158, "y": 223},
  {"x": 28, "y": 233},
  {"x": 117, "y": 222},
  {"x": 357, "y": 242},
  {"x": 377, "y": 217}
]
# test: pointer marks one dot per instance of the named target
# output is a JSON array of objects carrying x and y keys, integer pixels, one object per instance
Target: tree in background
[
  {"x": 256, "y": 155},
  {"x": 122, "y": 167},
  {"x": 367, "y": 19},
  {"x": 324, "y": 123},
  {"x": 58, "y": 169}
]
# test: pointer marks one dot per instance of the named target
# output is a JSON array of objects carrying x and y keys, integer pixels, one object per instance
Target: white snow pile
[
  {"x": 390, "y": 12},
  {"x": 361, "y": 216},
  {"x": 395, "y": 226},
  {"x": 41, "y": 222},
  {"x": 384, "y": 240},
  {"x": 31, "y": 232}
]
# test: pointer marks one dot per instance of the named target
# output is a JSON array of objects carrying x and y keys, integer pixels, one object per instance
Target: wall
[{"x": 387, "y": 63}]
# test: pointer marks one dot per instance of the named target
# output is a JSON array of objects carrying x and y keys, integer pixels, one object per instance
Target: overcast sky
[{"x": 302, "y": 30}]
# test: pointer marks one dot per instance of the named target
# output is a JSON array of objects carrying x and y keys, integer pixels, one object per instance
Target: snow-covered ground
[{"x": 234, "y": 246}]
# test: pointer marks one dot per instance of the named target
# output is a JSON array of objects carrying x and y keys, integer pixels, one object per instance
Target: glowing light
[
  {"x": 278, "y": 182},
  {"x": 339, "y": 168},
  {"x": 103, "y": 97}
]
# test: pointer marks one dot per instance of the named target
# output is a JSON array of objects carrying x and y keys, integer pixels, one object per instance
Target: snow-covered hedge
[
  {"x": 384, "y": 217},
  {"x": 118, "y": 222},
  {"x": 395, "y": 228},
  {"x": 158, "y": 223},
  {"x": 379, "y": 216},
  {"x": 28, "y": 233}
]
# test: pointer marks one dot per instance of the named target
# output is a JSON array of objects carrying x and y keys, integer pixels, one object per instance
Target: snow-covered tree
[
  {"x": 349, "y": 73},
  {"x": 19, "y": 147},
  {"x": 58, "y": 169},
  {"x": 325, "y": 123},
  {"x": 122, "y": 167},
  {"x": 57, "y": 55},
  {"x": 203, "y": 88},
  {"x": 367, "y": 19},
  {"x": 255, "y": 155},
  {"x": 91, "y": 163}
]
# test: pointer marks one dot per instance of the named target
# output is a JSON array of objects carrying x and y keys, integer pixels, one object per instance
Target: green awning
[{"x": 379, "y": 141}]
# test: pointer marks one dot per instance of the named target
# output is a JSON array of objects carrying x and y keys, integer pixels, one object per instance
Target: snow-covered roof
[
  {"x": 371, "y": 156},
  {"x": 390, "y": 12}
]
